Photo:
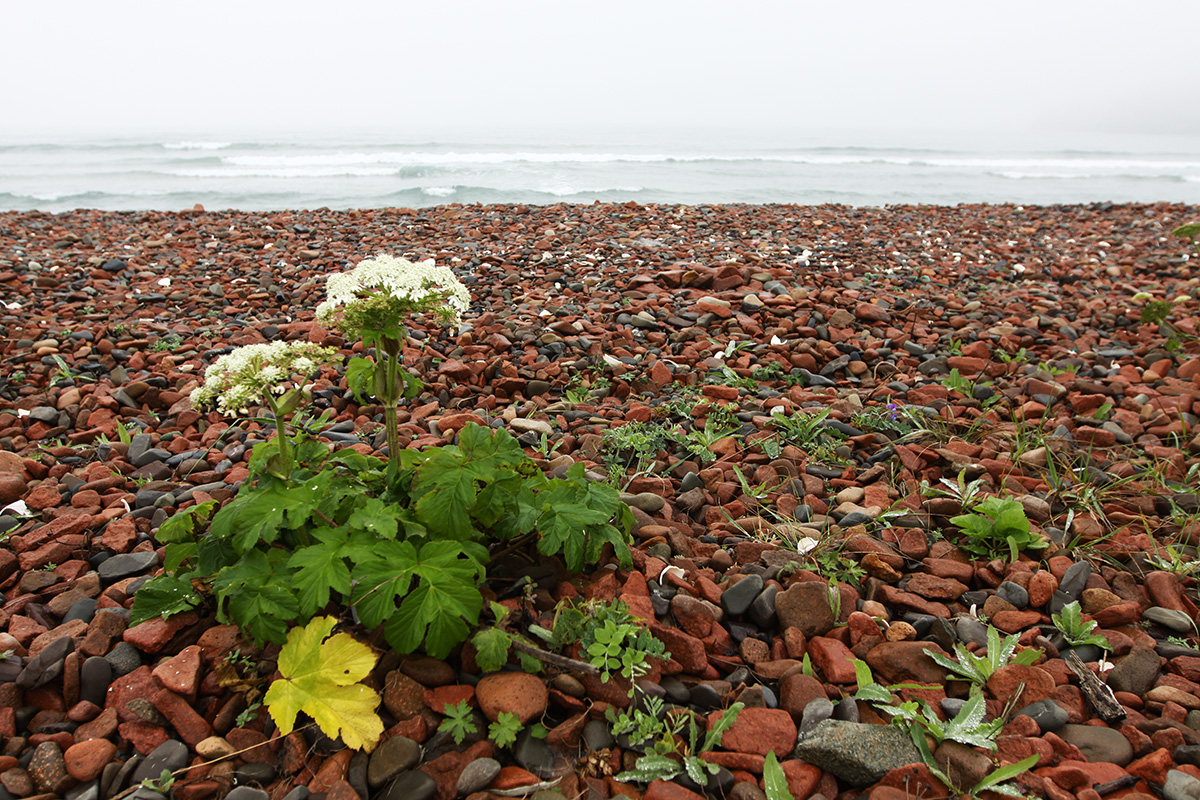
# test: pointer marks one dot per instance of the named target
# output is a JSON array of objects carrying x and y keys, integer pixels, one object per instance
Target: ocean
[{"x": 535, "y": 167}]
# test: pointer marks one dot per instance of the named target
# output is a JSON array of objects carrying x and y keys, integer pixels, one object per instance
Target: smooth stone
[
  {"x": 1169, "y": 618},
  {"x": 1097, "y": 743},
  {"x": 815, "y": 712},
  {"x": 261, "y": 774},
  {"x": 412, "y": 785},
  {"x": 738, "y": 597},
  {"x": 394, "y": 756},
  {"x": 1049, "y": 715},
  {"x": 1180, "y": 786},
  {"x": 170, "y": 755},
  {"x": 126, "y": 565},
  {"x": 762, "y": 609},
  {"x": 597, "y": 735},
  {"x": 95, "y": 676},
  {"x": 124, "y": 658},
  {"x": 1014, "y": 593},
  {"x": 46, "y": 665},
  {"x": 247, "y": 793},
  {"x": 477, "y": 775},
  {"x": 535, "y": 755}
]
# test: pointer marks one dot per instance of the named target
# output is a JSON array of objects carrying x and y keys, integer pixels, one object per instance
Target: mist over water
[{"x": 264, "y": 173}]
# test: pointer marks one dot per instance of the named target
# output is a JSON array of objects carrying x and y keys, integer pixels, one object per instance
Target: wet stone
[
  {"x": 477, "y": 775},
  {"x": 534, "y": 755},
  {"x": 815, "y": 712},
  {"x": 738, "y": 597},
  {"x": 126, "y": 565},
  {"x": 124, "y": 658},
  {"x": 398, "y": 754},
  {"x": 1169, "y": 618},
  {"x": 413, "y": 785},
  {"x": 1013, "y": 593},
  {"x": 46, "y": 665},
  {"x": 247, "y": 793},
  {"x": 1048, "y": 715},
  {"x": 170, "y": 755}
]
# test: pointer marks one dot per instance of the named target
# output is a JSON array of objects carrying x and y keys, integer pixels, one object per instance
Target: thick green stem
[
  {"x": 390, "y": 356},
  {"x": 285, "y": 446}
]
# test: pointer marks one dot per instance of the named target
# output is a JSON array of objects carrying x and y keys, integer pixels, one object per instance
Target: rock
[
  {"x": 170, "y": 755},
  {"x": 758, "y": 731},
  {"x": 247, "y": 793},
  {"x": 86, "y": 760},
  {"x": 856, "y": 752},
  {"x": 1098, "y": 743},
  {"x": 392, "y": 757},
  {"x": 477, "y": 775},
  {"x": 515, "y": 692},
  {"x": 1048, "y": 715},
  {"x": 46, "y": 665},
  {"x": 1137, "y": 672},
  {"x": 1181, "y": 786},
  {"x": 738, "y": 597},
  {"x": 48, "y": 769},
  {"x": 805, "y": 605}
]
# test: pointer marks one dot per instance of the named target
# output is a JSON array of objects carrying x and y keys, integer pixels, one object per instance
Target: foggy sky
[{"x": 73, "y": 68}]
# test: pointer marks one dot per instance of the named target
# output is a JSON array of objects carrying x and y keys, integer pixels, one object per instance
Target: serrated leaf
[
  {"x": 360, "y": 377},
  {"x": 503, "y": 732},
  {"x": 651, "y": 767},
  {"x": 774, "y": 781},
  {"x": 442, "y": 606},
  {"x": 186, "y": 525},
  {"x": 318, "y": 570},
  {"x": 321, "y": 675},
  {"x": 164, "y": 596},
  {"x": 491, "y": 646}
]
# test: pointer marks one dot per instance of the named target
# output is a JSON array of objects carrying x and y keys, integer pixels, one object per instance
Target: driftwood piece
[{"x": 1096, "y": 691}]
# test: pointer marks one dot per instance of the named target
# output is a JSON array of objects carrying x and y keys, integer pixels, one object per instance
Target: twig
[
  {"x": 1098, "y": 693},
  {"x": 553, "y": 658}
]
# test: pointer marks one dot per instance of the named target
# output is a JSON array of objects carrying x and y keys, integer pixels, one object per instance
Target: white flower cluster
[
  {"x": 416, "y": 282},
  {"x": 243, "y": 378}
]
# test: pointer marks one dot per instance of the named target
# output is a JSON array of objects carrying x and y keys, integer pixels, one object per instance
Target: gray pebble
[
  {"x": 477, "y": 775},
  {"x": 738, "y": 597},
  {"x": 412, "y": 785},
  {"x": 126, "y": 565},
  {"x": 396, "y": 755},
  {"x": 170, "y": 755}
]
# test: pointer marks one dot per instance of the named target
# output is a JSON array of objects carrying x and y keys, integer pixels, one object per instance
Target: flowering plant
[
  {"x": 374, "y": 299},
  {"x": 263, "y": 374}
]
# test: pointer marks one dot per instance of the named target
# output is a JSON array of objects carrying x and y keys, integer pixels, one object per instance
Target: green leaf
[
  {"x": 441, "y": 607},
  {"x": 1006, "y": 772},
  {"x": 164, "y": 596},
  {"x": 652, "y": 767},
  {"x": 1189, "y": 231},
  {"x": 724, "y": 723},
  {"x": 319, "y": 569},
  {"x": 360, "y": 377},
  {"x": 378, "y": 582},
  {"x": 186, "y": 525},
  {"x": 503, "y": 732},
  {"x": 491, "y": 645},
  {"x": 862, "y": 673},
  {"x": 375, "y": 516},
  {"x": 774, "y": 781}
]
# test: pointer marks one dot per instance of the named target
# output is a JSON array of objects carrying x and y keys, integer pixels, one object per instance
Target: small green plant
[
  {"x": 162, "y": 784},
  {"x": 668, "y": 760},
  {"x": 1075, "y": 630},
  {"x": 978, "y": 669},
  {"x": 955, "y": 382},
  {"x": 171, "y": 341},
  {"x": 248, "y": 715},
  {"x": 997, "y": 528},
  {"x": 1189, "y": 231},
  {"x": 955, "y": 347},
  {"x": 544, "y": 448},
  {"x": 459, "y": 721},
  {"x": 967, "y": 726},
  {"x": 17, "y": 376},
  {"x": 64, "y": 372},
  {"x": 615, "y": 642},
  {"x": 1019, "y": 357},
  {"x": 503, "y": 732},
  {"x": 967, "y": 493}
]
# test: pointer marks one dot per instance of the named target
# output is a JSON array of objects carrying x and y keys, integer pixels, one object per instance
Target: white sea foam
[
  {"x": 284, "y": 172},
  {"x": 438, "y": 191},
  {"x": 197, "y": 146}
]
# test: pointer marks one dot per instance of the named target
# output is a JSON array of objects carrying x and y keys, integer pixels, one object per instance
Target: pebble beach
[{"x": 1005, "y": 342}]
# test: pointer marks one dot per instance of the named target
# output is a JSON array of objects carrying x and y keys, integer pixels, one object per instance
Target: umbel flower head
[
  {"x": 244, "y": 378},
  {"x": 377, "y": 295}
]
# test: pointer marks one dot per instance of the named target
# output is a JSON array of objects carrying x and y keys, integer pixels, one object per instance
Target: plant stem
[
  {"x": 285, "y": 446},
  {"x": 393, "y": 391}
]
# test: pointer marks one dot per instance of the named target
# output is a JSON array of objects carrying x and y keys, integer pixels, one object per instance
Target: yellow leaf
[{"x": 321, "y": 675}]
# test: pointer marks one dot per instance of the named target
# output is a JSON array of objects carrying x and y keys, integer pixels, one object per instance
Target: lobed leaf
[{"x": 320, "y": 677}]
